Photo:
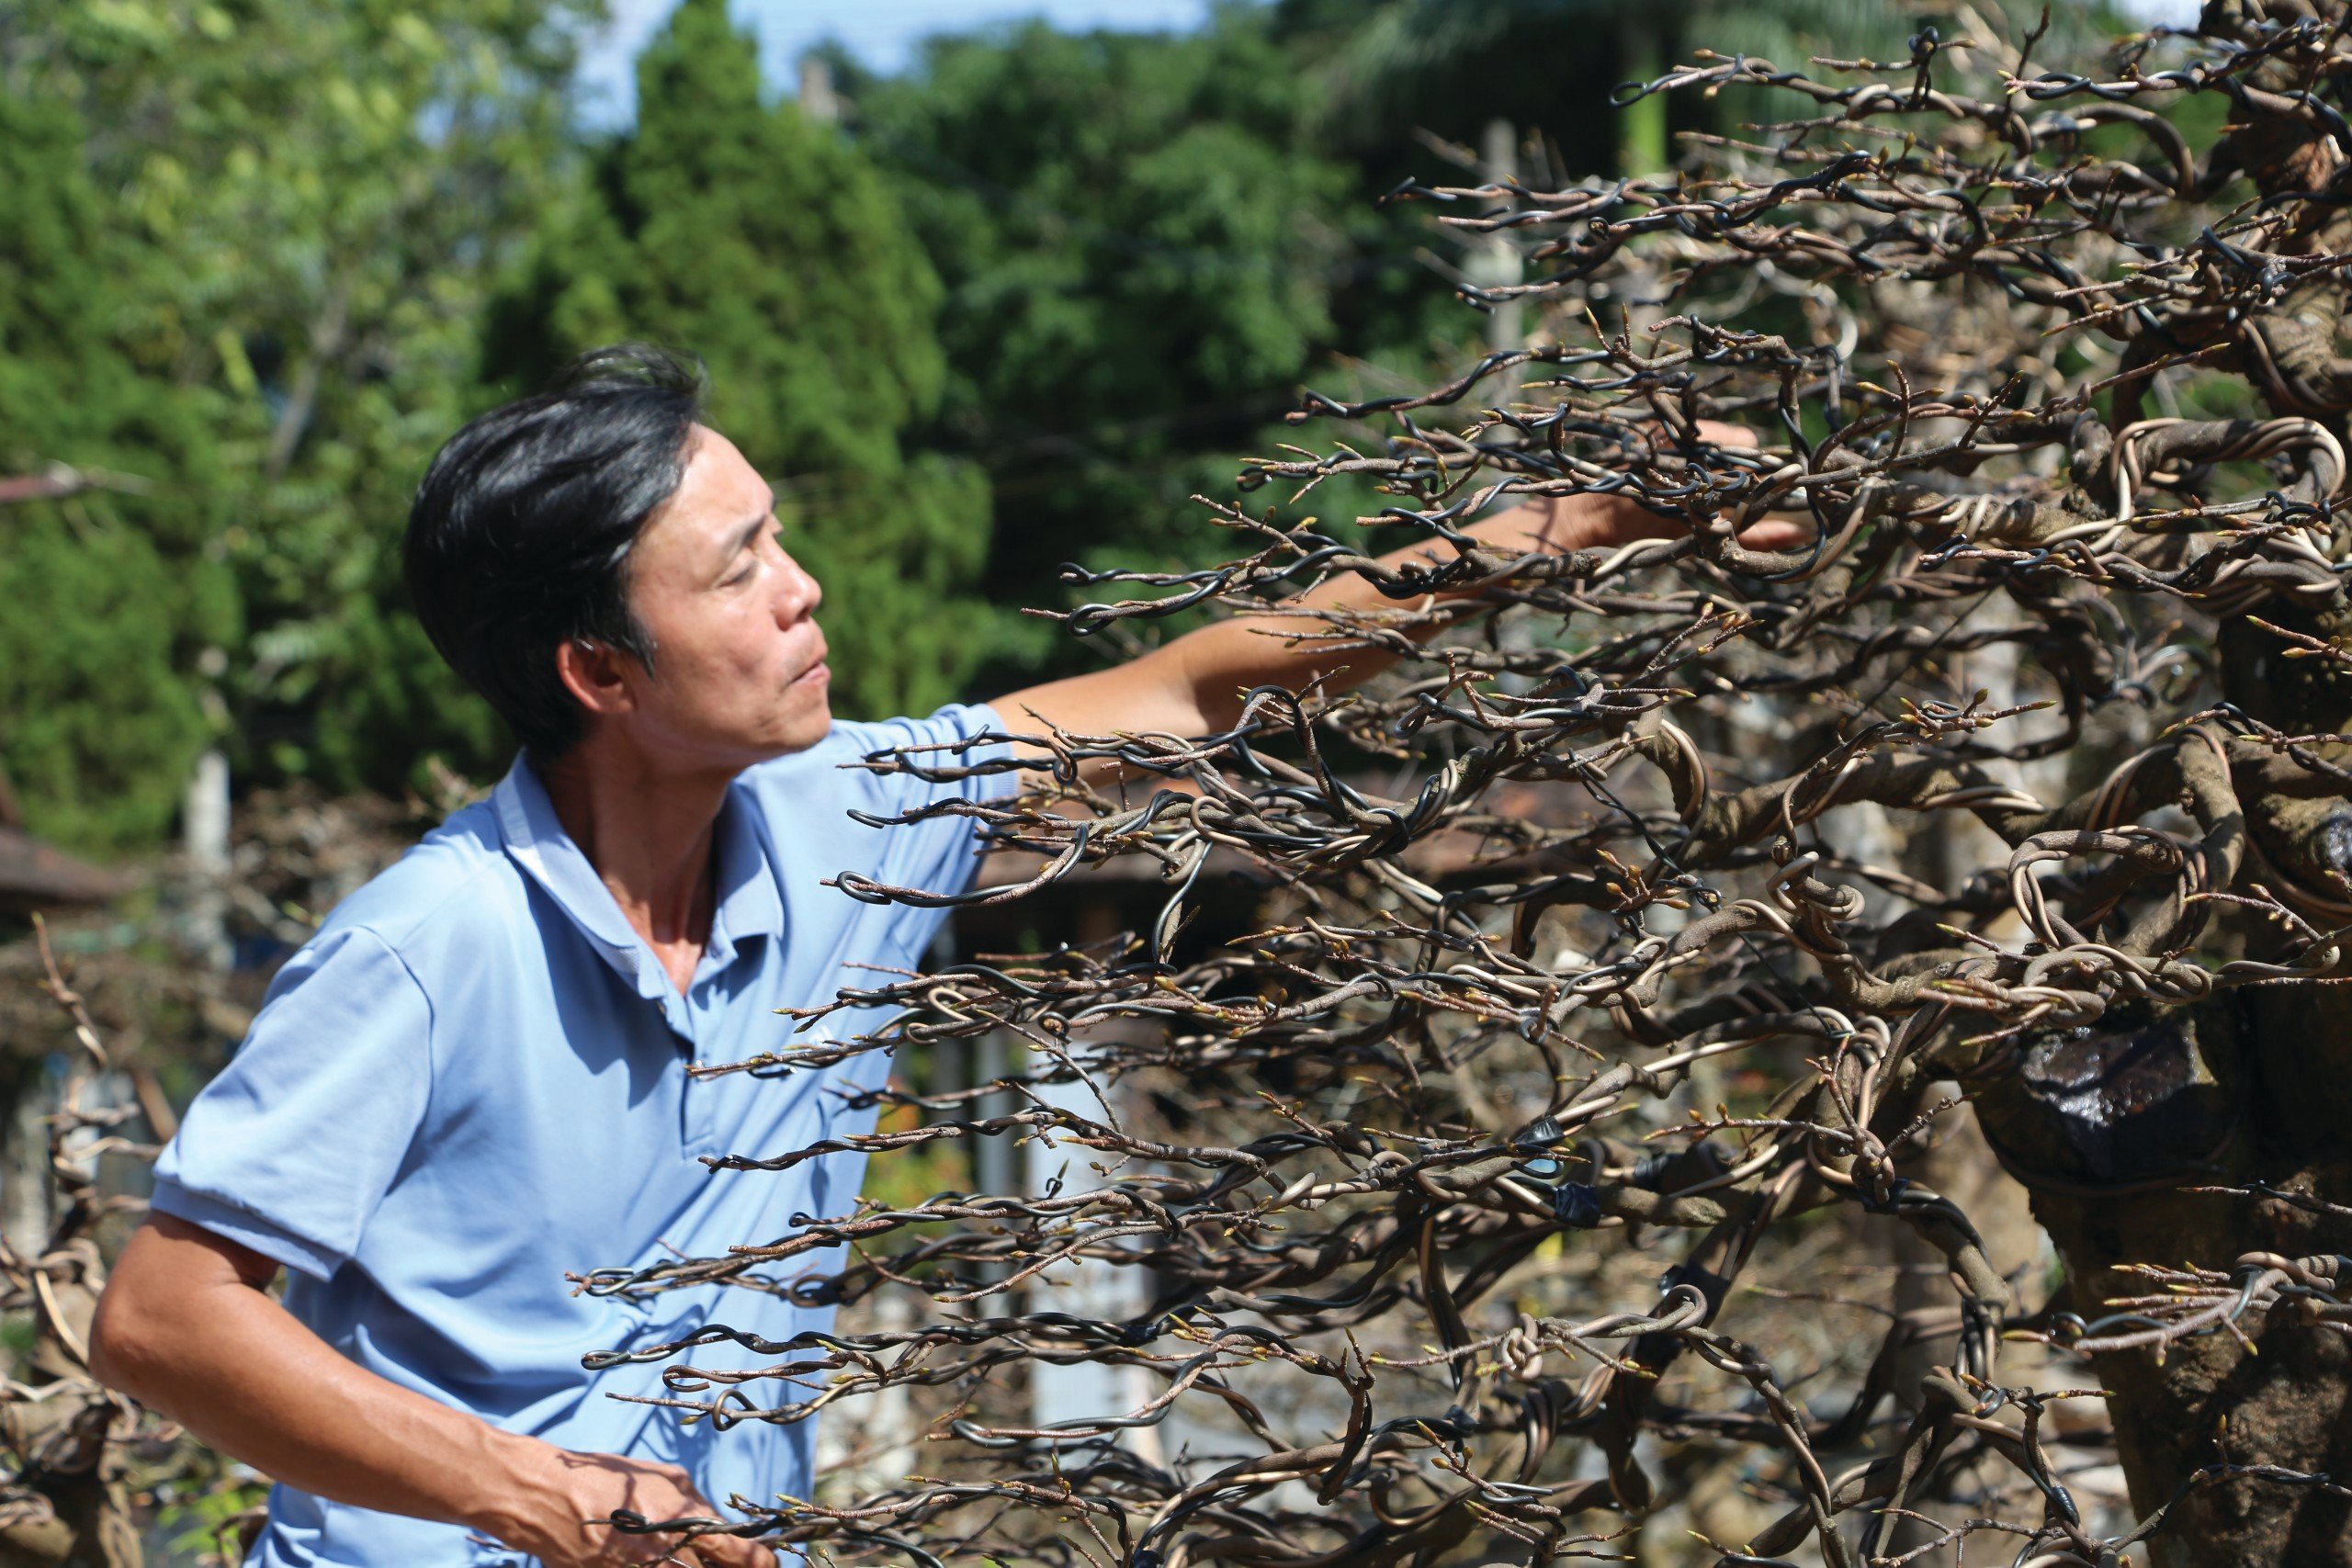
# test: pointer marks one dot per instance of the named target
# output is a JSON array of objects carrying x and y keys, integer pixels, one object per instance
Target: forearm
[
  {"x": 1194, "y": 685},
  {"x": 1220, "y": 662},
  {"x": 241, "y": 1374},
  {"x": 186, "y": 1327}
]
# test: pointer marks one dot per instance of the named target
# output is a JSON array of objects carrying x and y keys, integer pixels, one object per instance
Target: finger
[
  {"x": 636, "y": 1550},
  {"x": 630, "y": 1552},
  {"x": 707, "y": 1551},
  {"x": 733, "y": 1551},
  {"x": 1776, "y": 534},
  {"x": 1627, "y": 520},
  {"x": 1724, "y": 434}
]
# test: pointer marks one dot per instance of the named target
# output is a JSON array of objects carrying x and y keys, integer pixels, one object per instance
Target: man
[{"x": 474, "y": 1079}]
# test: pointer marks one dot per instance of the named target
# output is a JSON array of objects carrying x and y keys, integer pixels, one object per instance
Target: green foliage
[
  {"x": 110, "y": 594},
  {"x": 320, "y": 195},
  {"x": 1141, "y": 247},
  {"x": 769, "y": 245},
  {"x": 1387, "y": 66},
  {"x": 202, "y": 1508},
  {"x": 1137, "y": 194}
]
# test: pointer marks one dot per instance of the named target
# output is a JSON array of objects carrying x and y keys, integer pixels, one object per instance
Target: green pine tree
[
  {"x": 107, "y": 597},
  {"x": 303, "y": 207}
]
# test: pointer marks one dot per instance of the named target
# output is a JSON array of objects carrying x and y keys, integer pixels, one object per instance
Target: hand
[
  {"x": 1605, "y": 522},
  {"x": 558, "y": 1505}
]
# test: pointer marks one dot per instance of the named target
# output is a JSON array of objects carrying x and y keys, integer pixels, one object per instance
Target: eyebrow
[{"x": 753, "y": 529}]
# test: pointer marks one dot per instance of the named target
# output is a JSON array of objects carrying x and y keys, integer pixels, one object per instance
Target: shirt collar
[{"x": 746, "y": 904}]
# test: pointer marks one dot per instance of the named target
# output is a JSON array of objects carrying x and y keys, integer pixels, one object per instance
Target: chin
[
  {"x": 802, "y": 719},
  {"x": 805, "y": 730}
]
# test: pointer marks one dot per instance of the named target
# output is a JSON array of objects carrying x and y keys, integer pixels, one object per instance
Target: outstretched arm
[{"x": 1192, "y": 685}]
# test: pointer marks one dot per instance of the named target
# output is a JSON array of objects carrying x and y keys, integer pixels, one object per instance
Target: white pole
[{"x": 204, "y": 836}]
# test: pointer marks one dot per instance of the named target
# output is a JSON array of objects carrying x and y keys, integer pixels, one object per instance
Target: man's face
[{"x": 739, "y": 672}]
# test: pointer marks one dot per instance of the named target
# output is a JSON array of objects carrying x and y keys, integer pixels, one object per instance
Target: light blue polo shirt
[{"x": 472, "y": 1082}]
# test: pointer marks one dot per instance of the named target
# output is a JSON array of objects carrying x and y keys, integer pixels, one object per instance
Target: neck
[{"x": 648, "y": 830}]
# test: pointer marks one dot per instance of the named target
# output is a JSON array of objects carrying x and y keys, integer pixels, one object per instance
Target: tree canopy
[
  {"x": 118, "y": 586},
  {"x": 290, "y": 217}
]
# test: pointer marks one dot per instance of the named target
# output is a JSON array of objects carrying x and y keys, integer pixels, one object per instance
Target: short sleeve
[
  {"x": 291, "y": 1149},
  {"x": 937, "y": 854}
]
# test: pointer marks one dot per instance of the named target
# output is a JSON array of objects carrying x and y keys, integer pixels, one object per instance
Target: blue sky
[{"x": 881, "y": 32}]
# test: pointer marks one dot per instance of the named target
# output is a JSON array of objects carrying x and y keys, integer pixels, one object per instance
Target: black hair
[{"x": 520, "y": 535}]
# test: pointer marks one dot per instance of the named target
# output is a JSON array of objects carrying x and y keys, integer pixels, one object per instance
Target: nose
[{"x": 798, "y": 593}]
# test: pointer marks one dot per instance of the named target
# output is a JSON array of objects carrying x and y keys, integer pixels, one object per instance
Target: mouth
[{"x": 819, "y": 671}]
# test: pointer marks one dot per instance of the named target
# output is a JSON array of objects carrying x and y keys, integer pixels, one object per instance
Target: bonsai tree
[{"x": 1631, "y": 959}]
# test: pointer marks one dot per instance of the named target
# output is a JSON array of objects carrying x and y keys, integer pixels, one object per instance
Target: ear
[{"x": 596, "y": 674}]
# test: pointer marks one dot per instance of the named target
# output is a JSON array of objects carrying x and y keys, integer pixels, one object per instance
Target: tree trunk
[{"x": 2113, "y": 1131}]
